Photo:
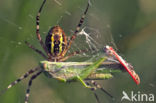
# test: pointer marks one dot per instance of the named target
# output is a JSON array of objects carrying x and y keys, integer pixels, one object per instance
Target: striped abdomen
[{"x": 56, "y": 41}]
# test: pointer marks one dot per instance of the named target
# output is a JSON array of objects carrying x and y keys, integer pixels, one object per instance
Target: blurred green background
[{"x": 132, "y": 24}]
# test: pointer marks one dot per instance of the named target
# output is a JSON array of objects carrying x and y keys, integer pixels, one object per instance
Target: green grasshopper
[
  {"x": 75, "y": 71},
  {"x": 56, "y": 47},
  {"x": 82, "y": 72}
]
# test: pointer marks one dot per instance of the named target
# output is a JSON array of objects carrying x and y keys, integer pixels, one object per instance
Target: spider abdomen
[{"x": 56, "y": 41}]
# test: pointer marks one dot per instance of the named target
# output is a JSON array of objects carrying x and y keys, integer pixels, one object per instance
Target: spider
[{"x": 56, "y": 48}]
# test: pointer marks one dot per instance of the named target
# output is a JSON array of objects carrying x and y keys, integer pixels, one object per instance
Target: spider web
[
  {"x": 95, "y": 33},
  {"x": 18, "y": 25}
]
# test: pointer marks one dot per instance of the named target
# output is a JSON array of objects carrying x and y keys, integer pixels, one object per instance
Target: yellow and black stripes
[
  {"x": 56, "y": 45},
  {"x": 56, "y": 41}
]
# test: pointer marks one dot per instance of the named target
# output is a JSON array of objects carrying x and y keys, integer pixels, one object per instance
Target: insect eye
[{"x": 107, "y": 51}]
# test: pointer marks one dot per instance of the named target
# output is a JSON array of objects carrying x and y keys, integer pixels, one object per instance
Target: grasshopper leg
[
  {"x": 82, "y": 81},
  {"x": 93, "y": 89},
  {"x": 102, "y": 89},
  {"x": 86, "y": 84}
]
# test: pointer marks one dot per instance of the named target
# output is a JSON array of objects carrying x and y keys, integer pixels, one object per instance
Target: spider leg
[
  {"x": 73, "y": 54},
  {"x": 102, "y": 89},
  {"x": 93, "y": 90},
  {"x": 37, "y": 29},
  {"x": 36, "y": 50},
  {"x": 77, "y": 28},
  {"x": 29, "y": 85},
  {"x": 20, "y": 79}
]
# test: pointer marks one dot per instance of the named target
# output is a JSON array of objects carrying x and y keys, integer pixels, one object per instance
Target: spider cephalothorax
[
  {"x": 56, "y": 48},
  {"x": 56, "y": 42},
  {"x": 56, "y": 45}
]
